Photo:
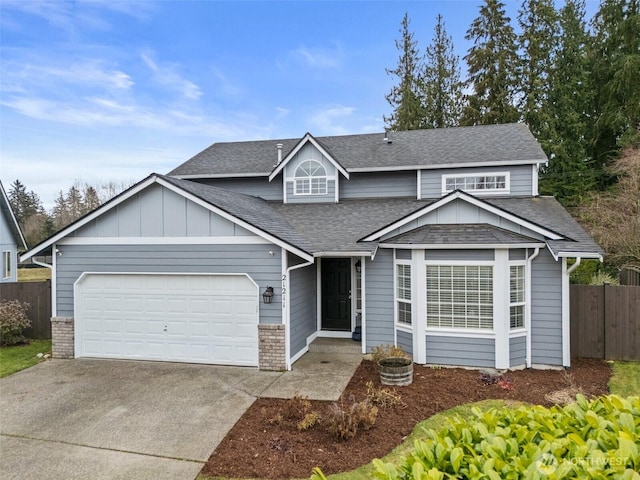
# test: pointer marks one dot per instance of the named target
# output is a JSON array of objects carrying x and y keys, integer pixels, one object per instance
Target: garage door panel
[{"x": 188, "y": 318}]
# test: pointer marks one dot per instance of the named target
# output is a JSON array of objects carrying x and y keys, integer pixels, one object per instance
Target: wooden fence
[
  {"x": 605, "y": 322},
  {"x": 38, "y": 295}
]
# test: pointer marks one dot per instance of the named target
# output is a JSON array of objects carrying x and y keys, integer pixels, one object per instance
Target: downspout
[
  {"x": 528, "y": 305},
  {"x": 287, "y": 313},
  {"x": 566, "y": 320}
]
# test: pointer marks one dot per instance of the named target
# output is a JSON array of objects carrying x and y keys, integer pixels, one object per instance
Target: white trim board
[{"x": 226, "y": 240}]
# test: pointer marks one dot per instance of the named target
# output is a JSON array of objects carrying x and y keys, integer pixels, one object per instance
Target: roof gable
[
  {"x": 308, "y": 138},
  {"x": 10, "y": 219},
  {"x": 480, "y": 203},
  {"x": 250, "y": 213}
]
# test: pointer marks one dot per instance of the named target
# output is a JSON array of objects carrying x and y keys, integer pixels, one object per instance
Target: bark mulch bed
[{"x": 265, "y": 443}]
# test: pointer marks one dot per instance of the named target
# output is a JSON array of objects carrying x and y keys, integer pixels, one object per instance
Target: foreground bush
[
  {"x": 13, "y": 320},
  {"x": 594, "y": 439},
  {"x": 586, "y": 439}
]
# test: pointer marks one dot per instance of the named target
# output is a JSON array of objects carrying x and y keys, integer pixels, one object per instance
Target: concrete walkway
[{"x": 104, "y": 419}]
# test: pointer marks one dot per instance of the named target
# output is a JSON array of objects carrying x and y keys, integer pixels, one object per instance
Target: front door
[{"x": 336, "y": 294}]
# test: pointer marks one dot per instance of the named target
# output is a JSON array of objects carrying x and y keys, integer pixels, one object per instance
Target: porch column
[{"x": 501, "y": 307}]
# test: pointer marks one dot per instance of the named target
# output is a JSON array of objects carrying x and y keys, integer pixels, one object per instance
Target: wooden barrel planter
[{"x": 396, "y": 371}]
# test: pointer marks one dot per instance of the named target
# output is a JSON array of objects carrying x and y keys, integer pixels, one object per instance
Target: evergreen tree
[
  {"x": 23, "y": 203},
  {"x": 90, "y": 199},
  {"x": 492, "y": 62},
  {"x": 441, "y": 82},
  {"x": 74, "y": 203},
  {"x": 405, "y": 98},
  {"x": 60, "y": 212},
  {"x": 538, "y": 22},
  {"x": 570, "y": 174},
  {"x": 616, "y": 75}
]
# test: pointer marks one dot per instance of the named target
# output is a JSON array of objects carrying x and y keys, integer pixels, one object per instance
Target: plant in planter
[{"x": 394, "y": 364}]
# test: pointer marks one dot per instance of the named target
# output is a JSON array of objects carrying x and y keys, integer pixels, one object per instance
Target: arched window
[{"x": 310, "y": 179}]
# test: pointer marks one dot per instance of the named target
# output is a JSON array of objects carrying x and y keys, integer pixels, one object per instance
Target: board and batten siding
[
  {"x": 460, "y": 351},
  {"x": 546, "y": 310},
  {"x": 302, "y": 301},
  {"x": 517, "y": 351},
  {"x": 405, "y": 341},
  {"x": 254, "y": 186},
  {"x": 379, "y": 185},
  {"x": 379, "y": 300},
  {"x": 254, "y": 260},
  {"x": 159, "y": 212},
  {"x": 521, "y": 179}
]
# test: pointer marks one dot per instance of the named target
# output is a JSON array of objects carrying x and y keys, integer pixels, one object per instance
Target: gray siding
[
  {"x": 377, "y": 185},
  {"x": 254, "y": 260},
  {"x": 403, "y": 254},
  {"x": 7, "y": 244},
  {"x": 517, "y": 351},
  {"x": 256, "y": 186},
  {"x": 330, "y": 197},
  {"x": 379, "y": 299},
  {"x": 466, "y": 352},
  {"x": 159, "y": 212},
  {"x": 518, "y": 254},
  {"x": 302, "y": 299},
  {"x": 466, "y": 255},
  {"x": 546, "y": 310},
  {"x": 405, "y": 341},
  {"x": 521, "y": 179}
]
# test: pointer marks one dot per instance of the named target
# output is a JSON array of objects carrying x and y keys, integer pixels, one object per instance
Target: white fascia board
[
  {"x": 308, "y": 138},
  {"x": 224, "y": 240},
  {"x": 114, "y": 202},
  {"x": 460, "y": 246},
  {"x": 441, "y": 166},
  {"x": 457, "y": 194},
  {"x": 591, "y": 255},
  {"x": 236, "y": 220},
  {"x": 219, "y": 175},
  {"x": 343, "y": 254}
]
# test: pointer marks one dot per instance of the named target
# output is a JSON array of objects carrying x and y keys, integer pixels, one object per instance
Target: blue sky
[{"x": 112, "y": 90}]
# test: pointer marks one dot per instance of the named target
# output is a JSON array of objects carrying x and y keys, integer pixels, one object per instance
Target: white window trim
[
  {"x": 467, "y": 332},
  {"x": 494, "y": 191},
  {"x": 401, "y": 325},
  {"x": 7, "y": 264},
  {"x": 310, "y": 178},
  {"x": 523, "y": 303}
]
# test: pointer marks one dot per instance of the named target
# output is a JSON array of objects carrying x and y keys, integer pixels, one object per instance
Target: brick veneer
[
  {"x": 271, "y": 347},
  {"x": 62, "y": 337}
]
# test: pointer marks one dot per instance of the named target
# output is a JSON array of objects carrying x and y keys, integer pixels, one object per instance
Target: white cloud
[
  {"x": 167, "y": 76},
  {"x": 330, "y": 120},
  {"x": 319, "y": 58}
]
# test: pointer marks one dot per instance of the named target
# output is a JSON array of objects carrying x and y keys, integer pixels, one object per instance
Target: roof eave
[{"x": 461, "y": 246}]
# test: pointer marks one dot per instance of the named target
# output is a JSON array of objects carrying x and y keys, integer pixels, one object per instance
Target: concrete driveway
[{"x": 101, "y": 419}]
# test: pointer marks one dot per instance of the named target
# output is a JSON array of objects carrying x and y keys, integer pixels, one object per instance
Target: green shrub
[
  {"x": 586, "y": 439},
  {"x": 13, "y": 320}
]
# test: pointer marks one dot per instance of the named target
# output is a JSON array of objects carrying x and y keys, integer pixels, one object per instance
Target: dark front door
[{"x": 336, "y": 294}]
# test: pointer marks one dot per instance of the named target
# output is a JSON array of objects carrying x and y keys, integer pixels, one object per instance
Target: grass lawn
[
  {"x": 626, "y": 378},
  {"x": 34, "y": 274},
  {"x": 14, "y": 359}
]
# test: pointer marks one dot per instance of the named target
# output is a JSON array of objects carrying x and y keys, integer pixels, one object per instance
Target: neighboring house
[
  {"x": 434, "y": 240},
  {"x": 11, "y": 239}
]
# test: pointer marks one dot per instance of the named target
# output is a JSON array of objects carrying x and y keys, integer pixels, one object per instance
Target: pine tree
[
  {"x": 492, "y": 62},
  {"x": 539, "y": 24},
  {"x": 23, "y": 203},
  {"x": 405, "y": 98},
  {"x": 570, "y": 174},
  {"x": 90, "y": 199},
  {"x": 616, "y": 75},
  {"x": 60, "y": 212},
  {"x": 441, "y": 82}
]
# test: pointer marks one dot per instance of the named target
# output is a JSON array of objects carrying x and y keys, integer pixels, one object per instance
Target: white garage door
[{"x": 178, "y": 318}]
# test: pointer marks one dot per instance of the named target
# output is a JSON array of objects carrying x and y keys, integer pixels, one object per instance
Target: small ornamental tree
[{"x": 13, "y": 320}]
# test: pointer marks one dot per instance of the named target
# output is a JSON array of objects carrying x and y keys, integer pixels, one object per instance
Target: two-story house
[{"x": 434, "y": 240}]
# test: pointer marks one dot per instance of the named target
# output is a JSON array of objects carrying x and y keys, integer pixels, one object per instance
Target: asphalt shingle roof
[
  {"x": 441, "y": 147},
  {"x": 460, "y": 234}
]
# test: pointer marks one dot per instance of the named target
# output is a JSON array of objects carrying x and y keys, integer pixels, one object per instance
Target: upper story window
[
  {"x": 310, "y": 179},
  {"x": 485, "y": 183}
]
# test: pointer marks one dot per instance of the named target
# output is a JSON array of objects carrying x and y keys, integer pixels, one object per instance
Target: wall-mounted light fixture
[
  {"x": 358, "y": 266},
  {"x": 267, "y": 296}
]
